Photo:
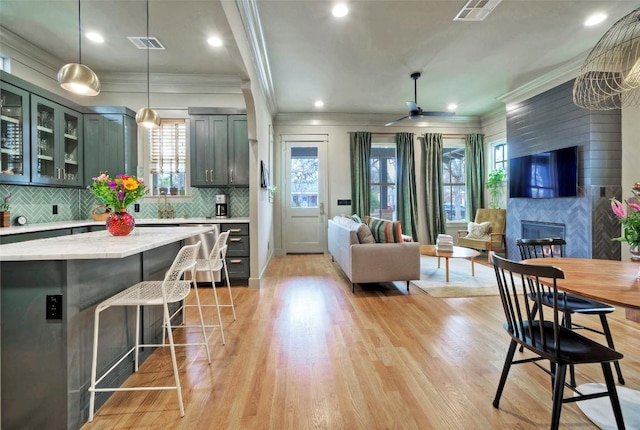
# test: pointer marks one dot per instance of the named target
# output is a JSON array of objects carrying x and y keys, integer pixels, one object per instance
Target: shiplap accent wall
[{"x": 551, "y": 121}]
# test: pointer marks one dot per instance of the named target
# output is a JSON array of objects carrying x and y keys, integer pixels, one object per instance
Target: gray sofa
[{"x": 372, "y": 262}]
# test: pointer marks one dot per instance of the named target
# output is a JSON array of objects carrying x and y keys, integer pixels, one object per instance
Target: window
[
  {"x": 454, "y": 182},
  {"x": 168, "y": 163},
  {"x": 500, "y": 156},
  {"x": 5, "y": 64},
  {"x": 382, "y": 197},
  {"x": 304, "y": 177}
]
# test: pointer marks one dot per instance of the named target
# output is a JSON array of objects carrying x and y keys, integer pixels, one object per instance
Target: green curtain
[
  {"x": 360, "y": 174},
  {"x": 407, "y": 203},
  {"x": 431, "y": 162},
  {"x": 475, "y": 173}
]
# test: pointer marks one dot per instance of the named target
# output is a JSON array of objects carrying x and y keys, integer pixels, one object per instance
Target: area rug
[
  {"x": 600, "y": 412},
  {"x": 461, "y": 283}
]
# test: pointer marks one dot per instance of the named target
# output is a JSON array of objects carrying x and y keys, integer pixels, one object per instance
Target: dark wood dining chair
[
  {"x": 570, "y": 303},
  {"x": 544, "y": 335}
]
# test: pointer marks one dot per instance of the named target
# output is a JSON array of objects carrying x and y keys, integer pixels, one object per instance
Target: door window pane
[{"x": 304, "y": 177}]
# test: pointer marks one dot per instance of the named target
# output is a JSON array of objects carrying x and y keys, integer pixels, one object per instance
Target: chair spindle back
[{"x": 518, "y": 283}]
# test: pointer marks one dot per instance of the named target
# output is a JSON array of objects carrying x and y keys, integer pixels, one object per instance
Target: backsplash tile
[{"x": 36, "y": 203}]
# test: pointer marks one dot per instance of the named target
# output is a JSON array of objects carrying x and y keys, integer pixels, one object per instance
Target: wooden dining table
[
  {"x": 616, "y": 283},
  {"x": 610, "y": 281}
]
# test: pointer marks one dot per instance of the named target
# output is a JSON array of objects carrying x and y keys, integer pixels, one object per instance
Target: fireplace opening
[{"x": 541, "y": 230}]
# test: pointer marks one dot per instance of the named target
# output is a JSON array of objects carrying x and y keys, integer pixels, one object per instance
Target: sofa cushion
[
  {"x": 478, "y": 230},
  {"x": 346, "y": 222},
  {"x": 364, "y": 234},
  {"x": 385, "y": 231}
]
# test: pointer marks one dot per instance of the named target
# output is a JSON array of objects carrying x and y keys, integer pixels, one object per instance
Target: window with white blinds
[{"x": 169, "y": 157}]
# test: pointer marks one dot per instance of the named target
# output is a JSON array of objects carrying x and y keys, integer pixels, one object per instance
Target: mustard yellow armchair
[{"x": 487, "y": 232}]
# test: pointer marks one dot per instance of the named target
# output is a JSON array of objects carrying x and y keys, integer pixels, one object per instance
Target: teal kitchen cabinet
[
  {"x": 14, "y": 135},
  {"x": 238, "y": 151},
  {"x": 56, "y": 144},
  {"x": 209, "y": 152},
  {"x": 110, "y": 143},
  {"x": 219, "y": 151}
]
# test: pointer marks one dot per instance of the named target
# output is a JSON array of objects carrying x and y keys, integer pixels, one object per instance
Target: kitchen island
[{"x": 49, "y": 290}]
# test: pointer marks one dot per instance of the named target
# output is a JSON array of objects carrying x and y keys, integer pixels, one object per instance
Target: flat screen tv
[{"x": 545, "y": 175}]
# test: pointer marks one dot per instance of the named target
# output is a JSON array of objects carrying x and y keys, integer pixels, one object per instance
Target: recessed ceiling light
[
  {"x": 95, "y": 37},
  {"x": 340, "y": 10},
  {"x": 595, "y": 19},
  {"x": 214, "y": 41},
  {"x": 452, "y": 107},
  {"x": 318, "y": 103}
]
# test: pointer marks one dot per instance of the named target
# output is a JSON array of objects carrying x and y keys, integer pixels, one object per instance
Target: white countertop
[
  {"x": 97, "y": 244},
  {"x": 139, "y": 222}
]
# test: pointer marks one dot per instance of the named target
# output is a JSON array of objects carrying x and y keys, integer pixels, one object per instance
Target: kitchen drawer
[
  {"x": 235, "y": 229},
  {"x": 238, "y": 267},
  {"x": 238, "y": 246}
]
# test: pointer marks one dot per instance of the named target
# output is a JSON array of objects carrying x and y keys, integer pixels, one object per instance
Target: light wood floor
[{"x": 306, "y": 353}]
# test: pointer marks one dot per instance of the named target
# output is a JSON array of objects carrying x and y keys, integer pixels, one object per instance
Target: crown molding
[
  {"x": 543, "y": 83},
  {"x": 250, "y": 18},
  {"x": 353, "y": 119}
]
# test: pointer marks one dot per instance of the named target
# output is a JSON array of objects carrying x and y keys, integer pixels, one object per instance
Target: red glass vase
[{"x": 120, "y": 223}]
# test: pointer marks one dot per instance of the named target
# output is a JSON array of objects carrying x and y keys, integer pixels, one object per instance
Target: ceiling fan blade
[
  {"x": 397, "y": 120},
  {"x": 437, "y": 113}
]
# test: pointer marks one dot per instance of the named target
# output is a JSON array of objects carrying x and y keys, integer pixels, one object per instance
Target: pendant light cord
[
  {"x": 148, "y": 86},
  {"x": 79, "y": 36}
]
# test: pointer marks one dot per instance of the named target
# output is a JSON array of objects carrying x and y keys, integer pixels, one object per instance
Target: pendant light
[
  {"x": 148, "y": 117},
  {"x": 76, "y": 77}
]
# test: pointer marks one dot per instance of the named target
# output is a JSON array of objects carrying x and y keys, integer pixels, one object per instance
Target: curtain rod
[{"x": 443, "y": 134}]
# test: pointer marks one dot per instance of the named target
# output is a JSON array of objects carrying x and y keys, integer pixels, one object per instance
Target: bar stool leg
[
  {"x": 94, "y": 364},
  {"x": 174, "y": 361},
  {"x": 226, "y": 273}
]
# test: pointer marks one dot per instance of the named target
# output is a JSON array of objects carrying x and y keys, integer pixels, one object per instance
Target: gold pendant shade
[
  {"x": 79, "y": 79},
  {"x": 148, "y": 118},
  {"x": 612, "y": 69}
]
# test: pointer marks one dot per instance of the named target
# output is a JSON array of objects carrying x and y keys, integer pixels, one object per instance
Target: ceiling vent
[
  {"x": 143, "y": 42},
  {"x": 476, "y": 10}
]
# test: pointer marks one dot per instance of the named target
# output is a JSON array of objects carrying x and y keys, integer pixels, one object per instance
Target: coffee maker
[{"x": 222, "y": 206}]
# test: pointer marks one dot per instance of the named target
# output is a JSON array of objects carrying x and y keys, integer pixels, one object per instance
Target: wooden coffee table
[{"x": 458, "y": 252}]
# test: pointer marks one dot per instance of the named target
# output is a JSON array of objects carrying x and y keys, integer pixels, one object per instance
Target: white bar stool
[
  {"x": 150, "y": 293},
  {"x": 215, "y": 262}
]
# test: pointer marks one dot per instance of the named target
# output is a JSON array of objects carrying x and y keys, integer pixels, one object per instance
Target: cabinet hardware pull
[
  {"x": 234, "y": 230},
  {"x": 235, "y": 239},
  {"x": 235, "y": 261},
  {"x": 206, "y": 175}
]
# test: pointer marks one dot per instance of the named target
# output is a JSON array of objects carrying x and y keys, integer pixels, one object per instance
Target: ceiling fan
[{"x": 415, "y": 111}]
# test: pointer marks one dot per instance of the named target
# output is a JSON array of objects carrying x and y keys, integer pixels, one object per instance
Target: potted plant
[
  {"x": 5, "y": 213},
  {"x": 495, "y": 184}
]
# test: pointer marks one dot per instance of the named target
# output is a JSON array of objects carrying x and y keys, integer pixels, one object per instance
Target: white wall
[{"x": 630, "y": 155}]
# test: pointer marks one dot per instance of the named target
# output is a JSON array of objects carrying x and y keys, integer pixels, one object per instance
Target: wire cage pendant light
[
  {"x": 148, "y": 117},
  {"x": 76, "y": 77},
  {"x": 612, "y": 68}
]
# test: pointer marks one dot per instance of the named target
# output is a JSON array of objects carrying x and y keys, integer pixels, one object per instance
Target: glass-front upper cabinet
[
  {"x": 56, "y": 144},
  {"x": 14, "y": 135}
]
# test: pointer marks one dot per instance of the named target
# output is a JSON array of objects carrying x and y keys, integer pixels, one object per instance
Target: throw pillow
[
  {"x": 478, "y": 231},
  {"x": 364, "y": 234},
  {"x": 356, "y": 218},
  {"x": 384, "y": 231}
]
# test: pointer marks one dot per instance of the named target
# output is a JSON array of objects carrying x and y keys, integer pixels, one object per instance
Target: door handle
[
  {"x": 206, "y": 175},
  {"x": 321, "y": 207}
]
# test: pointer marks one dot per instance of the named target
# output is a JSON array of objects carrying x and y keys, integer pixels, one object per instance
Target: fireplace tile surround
[{"x": 589, "y": 224}]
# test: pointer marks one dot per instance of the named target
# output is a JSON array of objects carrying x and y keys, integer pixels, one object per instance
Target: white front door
[{"x": 305, "y": 179}]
